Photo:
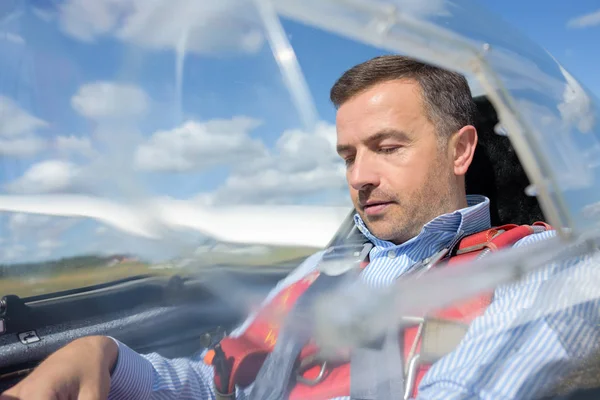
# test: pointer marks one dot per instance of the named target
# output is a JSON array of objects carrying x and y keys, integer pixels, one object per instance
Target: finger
[
  {"x": 10, "y": 394},
  {"x": 28, "y": 394},
  {"x": 93, "y": 392}
]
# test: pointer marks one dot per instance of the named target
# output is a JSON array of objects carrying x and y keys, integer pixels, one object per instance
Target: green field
[
  {"x": 275, "y": 255},
  {"x": 35, "y": 285},
  {"x": 66, "y": 278}
]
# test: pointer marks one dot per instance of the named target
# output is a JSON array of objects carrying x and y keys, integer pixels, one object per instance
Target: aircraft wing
[{"x": 277, "y": 225}]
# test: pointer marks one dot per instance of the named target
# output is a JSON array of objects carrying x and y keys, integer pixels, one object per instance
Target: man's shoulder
[
  {"x": 536, "y": 237},
  {"x": 560, "y": 270}
]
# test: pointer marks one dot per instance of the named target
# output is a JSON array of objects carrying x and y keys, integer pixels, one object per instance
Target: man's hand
[{"x": 80, "y": 370}]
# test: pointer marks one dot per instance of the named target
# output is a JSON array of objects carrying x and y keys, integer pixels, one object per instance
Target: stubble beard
[{"x": 408, "y": 216}]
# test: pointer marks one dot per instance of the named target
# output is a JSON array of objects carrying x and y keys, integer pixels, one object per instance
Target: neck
[
  {"x": 460, "y": 198},
  {"x": 461, "y": 202}
]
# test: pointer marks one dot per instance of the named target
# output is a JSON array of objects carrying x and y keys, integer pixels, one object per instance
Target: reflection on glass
[
  {"x": 131, "y": 127},
  {"x": 170, "y": 137},
  {"x": 120, "y": 121}
]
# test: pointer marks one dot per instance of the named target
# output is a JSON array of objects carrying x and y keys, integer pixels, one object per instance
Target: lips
[{"x": 373, "y": 208}]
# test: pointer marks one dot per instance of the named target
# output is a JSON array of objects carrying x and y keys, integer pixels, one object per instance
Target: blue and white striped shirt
[{"x": 492, "y": 362}]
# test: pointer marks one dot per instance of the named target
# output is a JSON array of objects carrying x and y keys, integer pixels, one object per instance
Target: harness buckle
[
  {"x": 340, "y": 259},
  {"x": 319, "y": 359},
  {"x": 221, "y": 396},
  {"x": 311, "y": 382},
  {"x": 306, "y": 364},
  {"x": 411, "y": 376},
  {"x": 222, "y": 369}
]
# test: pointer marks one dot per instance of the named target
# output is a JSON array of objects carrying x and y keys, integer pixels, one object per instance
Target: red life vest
[{"x": 241, "y": 357}]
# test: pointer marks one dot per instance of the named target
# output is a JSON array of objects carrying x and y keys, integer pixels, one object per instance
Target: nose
[{"x": 363, "y": 173}]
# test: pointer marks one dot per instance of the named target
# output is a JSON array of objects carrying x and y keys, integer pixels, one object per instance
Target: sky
[
  {"x": 110, "y": 98},
  {"x": 568, "y": 30}
]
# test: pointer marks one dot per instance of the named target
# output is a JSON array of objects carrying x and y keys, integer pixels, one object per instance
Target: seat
[{"x": 497, "y": 173}]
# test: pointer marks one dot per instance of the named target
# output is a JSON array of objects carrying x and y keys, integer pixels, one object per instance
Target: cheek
[
  {"x": 405, "y": 182},
  {"x": 353, "y": 194},
  {"x": 409, "y": 173}
]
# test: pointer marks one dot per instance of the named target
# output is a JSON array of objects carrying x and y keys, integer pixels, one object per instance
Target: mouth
[{"x": 375, "y": 208}]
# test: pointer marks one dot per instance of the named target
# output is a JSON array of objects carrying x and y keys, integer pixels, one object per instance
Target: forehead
[{"x": 388, "y": 105}]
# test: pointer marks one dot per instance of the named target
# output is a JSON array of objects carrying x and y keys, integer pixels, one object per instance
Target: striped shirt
[{"x": 495, "y": 360}]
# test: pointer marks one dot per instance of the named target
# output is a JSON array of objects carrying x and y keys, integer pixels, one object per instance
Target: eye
[
  {"x": 349, "y": 160},
  {"x": 389, "y": 150}
]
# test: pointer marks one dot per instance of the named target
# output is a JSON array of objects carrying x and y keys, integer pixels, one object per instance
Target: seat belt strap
[
  {"x": 377, "y": 373},
  {"x": 274, "y": 377}
]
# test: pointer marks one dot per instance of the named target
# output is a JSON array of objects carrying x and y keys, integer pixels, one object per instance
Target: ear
[{"x": 463, "y": 143}]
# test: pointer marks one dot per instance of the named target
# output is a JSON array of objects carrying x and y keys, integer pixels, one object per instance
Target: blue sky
[{"x": 92, "y": 105}]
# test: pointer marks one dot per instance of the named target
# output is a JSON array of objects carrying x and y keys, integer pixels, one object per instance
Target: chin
[
  {"x": 388, "y": 232},
  {"x": 380, "y": 231}
]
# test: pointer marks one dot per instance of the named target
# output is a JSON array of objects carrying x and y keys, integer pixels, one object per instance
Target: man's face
[{"x": 399, "y": 174}]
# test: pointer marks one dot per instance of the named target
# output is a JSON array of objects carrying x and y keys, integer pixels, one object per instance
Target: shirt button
[{"x": 391, "y": 254}]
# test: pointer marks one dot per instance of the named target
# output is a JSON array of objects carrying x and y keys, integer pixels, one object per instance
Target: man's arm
[
  {"x": 79, "y": 370},
  {"x": 152, "y": 376},
  {"x": 520, "y": 348}
]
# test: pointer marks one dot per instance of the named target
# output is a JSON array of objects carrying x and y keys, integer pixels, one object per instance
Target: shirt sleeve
[
  {"x": 152, "y": 376},
  {"x": 536, "y": 332}
]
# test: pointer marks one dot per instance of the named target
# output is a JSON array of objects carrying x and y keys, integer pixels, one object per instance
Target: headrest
[{"x": 496, "y": 173}]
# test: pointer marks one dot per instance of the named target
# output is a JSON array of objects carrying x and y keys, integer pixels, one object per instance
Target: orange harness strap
[
  {"x": 237, "y": 360},
  {"x": 245, "y": 354},
  {"x": 464, "y": 312}
]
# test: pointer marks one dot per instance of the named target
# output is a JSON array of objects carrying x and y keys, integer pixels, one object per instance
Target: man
[{"x": 404, "y": 130}]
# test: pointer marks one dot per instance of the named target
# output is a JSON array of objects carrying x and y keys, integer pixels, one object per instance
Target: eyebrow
[{"x": 377, "y": 137}]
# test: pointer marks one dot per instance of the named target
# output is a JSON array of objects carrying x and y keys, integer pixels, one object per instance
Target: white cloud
[
  {"x": 45, "y": 177},
  {"x": 196, "y": 145},
  {"x": 100, "y": 100},
  {"x": 34, "y": 236},
  {"x": 275, "y": 185},
  {"x": 585, "y": 21},
  {"x": 17, "y": 130},
  {"x": 14, "y": 121},
  {"x": 301, "y": 151},
  {"x": 568, "y": 162},
  {"x": 46, "y": 247},
  {"x": 21, "y": 147},
  {"x": 74, "y": 145},
  {"x": 12, "y": 252},
  {"x": 49, "y": 244},
  {"x": 303, "y": 164},
  {"x": 40, "y": 227},
  {"x": 86, "y": 19},
  {"x": 21, "y": 223},
  {"x": 203, "y": 26}
]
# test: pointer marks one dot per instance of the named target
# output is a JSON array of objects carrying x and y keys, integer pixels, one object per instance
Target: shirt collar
[{"x": 471, "y": 219}]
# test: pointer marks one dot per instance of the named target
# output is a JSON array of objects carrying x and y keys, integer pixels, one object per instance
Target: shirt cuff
[{"x": 132, "y": 375}]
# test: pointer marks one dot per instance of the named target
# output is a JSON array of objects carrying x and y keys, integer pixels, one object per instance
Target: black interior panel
[{"x": 174, "y": 317}]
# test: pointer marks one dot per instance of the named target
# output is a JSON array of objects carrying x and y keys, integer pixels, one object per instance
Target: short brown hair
[{"x": 446, "y": 95}]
